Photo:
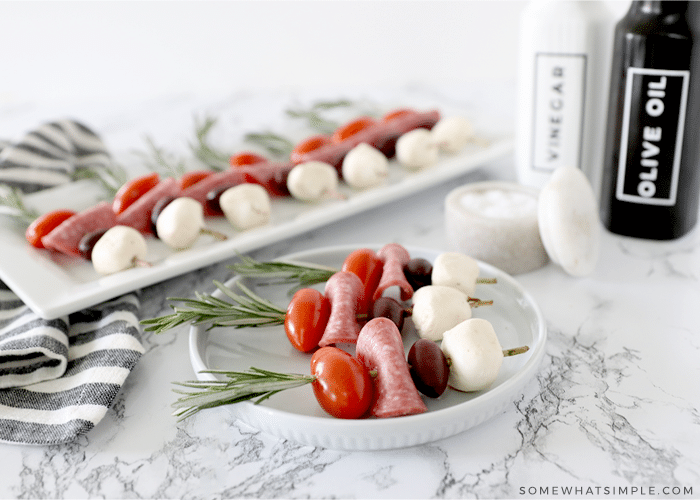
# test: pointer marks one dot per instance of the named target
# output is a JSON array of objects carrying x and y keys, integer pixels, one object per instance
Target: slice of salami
[
  {"x": 138, "y": 214},
  {"x": 395, "y": 257},
  {"x": 200, "y": 190},
  {"x": 333, "y": 154},
  {"x": 344, "y": 291},
  {"x": 396, "y": 127},
  {"x": 65, "y": 237},
  {"x": 380, "y": 348},
  {"x": 271, "y": 176}
]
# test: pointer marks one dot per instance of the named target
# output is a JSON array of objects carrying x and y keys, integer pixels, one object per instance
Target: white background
[{"x": 60, "y": 51}]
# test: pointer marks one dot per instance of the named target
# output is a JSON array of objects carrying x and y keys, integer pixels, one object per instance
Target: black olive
[
  {"x": 418, "y": 272},
  {"x": 87, "y": 243},
  {"x": 387, "y": 307},
  {"x": 428, "y": 367}
]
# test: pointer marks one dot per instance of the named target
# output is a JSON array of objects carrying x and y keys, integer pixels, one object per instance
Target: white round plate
[{"x": 294, "y": 414}]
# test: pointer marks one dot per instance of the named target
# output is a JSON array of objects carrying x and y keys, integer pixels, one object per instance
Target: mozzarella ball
[
  {"x": 180, "y": 223},
  {"x": 474, "y": 353},
  {"x": 453, "y": 133},
  {"x": 417, "y": 149},
  {"x": 246, "y": 205},
  {"x": 121, "y": 247},
  {"x": 437, "y": 308},
  {"x": 365, "y": 166},
  {"x": 455, "y": 270},
  {"x": 312, "y": 181}
]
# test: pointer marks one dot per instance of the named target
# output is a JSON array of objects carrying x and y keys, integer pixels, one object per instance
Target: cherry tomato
[
  {"x": 193, "y": 177},
  {"x": 368, "y": 267},
  {"x": 306, "y": 318},
  {"x": 132, "y": 190},
  {"x": 245, "y": 158},
  {"x": 44, "y": 224},
  {"x": 352, "y": 128},
  {"x": 342, "y": 385},
  {"x": 307, "y": 145},
  {"x": 397, "y": 113}
]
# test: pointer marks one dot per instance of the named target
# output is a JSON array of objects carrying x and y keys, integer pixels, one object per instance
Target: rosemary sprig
[
  {"x": 157, "y": 160},
  {"x": 246, "y": 309},
  {"x": 110, "y": 178},
  {"x": 12, "y": 204},
  {"x": 271, "y": 142},
  {"x": 279, "y": 272},
  {"x": 202, "y": 150},
  {"x": 314, "y": 118},
  {"x": 253, "y": 385}
]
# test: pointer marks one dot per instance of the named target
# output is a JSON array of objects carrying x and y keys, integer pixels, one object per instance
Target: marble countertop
[{"x": 614, "y": 410}]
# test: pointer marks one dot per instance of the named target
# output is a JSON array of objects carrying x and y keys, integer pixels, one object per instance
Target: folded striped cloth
[
  {"x": 59, "y": 377},
  {"x": 51, "y": 155}
]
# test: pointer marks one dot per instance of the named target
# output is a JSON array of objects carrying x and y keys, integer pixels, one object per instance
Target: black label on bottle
[{"x": 652, "y": 136}]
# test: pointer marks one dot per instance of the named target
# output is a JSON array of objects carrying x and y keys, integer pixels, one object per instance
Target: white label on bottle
[
  {"x": 652, "y": 136},
  {"x": 560, "y": 89}
]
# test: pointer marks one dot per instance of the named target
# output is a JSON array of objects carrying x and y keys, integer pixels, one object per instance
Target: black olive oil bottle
[{"x": 651, "y": 165}]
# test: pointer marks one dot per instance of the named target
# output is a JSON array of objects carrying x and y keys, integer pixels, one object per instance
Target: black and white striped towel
[
  {"x": 59, "y": 377},
  {"x": 98, "y": 349},
  {"x": 51, "y": 155}
]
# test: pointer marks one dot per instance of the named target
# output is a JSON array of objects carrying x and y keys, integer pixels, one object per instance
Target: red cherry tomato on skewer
[
  {"x": 307, "y": 145},
  {"x": 193, "y": 177},
  {"x": 245, "y": 158},
  {"x": 397, "y": 113},
  {"x": 44, "y": 224},
  {"x": 132, "y": 190},
  {"x": 343, "y": 386},
  {"x": 351, "y": 128},
  {"x": 306, "y": 319},
  {"x": 364, "y": 263}
]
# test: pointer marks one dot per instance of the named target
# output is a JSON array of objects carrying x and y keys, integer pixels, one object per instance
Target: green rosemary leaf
[
  {"x": 110, "y": 178},
  {"x": 314, "y": 118},
  {"x": 244, "y": 310},
  {"x": 204, "y": 151},
  {"x": 280, "y": 272},
  {"x": 159, "y": 161},
  {"x": 12, "y": 204},
  {"x": 254, "y": 385},
  {"x": 273, "y": 143},
  {"x": 315, "y": 121},
  {"x": 340, "y": 103}
]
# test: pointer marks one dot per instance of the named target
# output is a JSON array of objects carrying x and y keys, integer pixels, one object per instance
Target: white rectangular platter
[{"x": 53, "y": 285}]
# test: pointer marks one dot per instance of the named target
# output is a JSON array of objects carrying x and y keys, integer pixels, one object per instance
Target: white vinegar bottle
[{"x": 564, "y": 66}]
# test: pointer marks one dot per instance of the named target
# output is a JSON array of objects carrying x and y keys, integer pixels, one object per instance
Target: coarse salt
[
  {"x": 496, "y": 222},
  {"x": 499, "y": 203}
]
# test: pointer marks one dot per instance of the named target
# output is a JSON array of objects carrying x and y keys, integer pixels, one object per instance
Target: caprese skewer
[
  {"x": 323, "y": 322},
  {"x": 356, "y": 152}
]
